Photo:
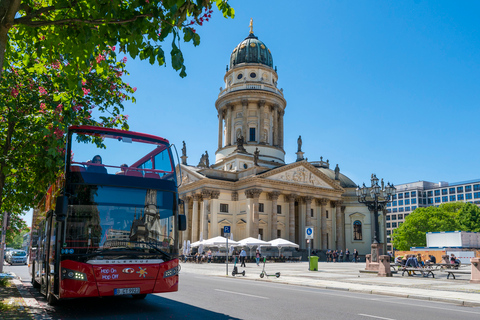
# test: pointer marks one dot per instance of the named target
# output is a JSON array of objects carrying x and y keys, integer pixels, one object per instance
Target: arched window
[{"x": 357, "y": 230}]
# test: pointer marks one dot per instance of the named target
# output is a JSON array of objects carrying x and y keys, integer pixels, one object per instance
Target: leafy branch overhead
[{"x": 78, "y": 28}]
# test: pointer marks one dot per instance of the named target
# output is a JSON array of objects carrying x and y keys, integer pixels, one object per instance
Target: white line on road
[
  {"x": 367, "y": 315},
  {"x": 242, "y": 294}
]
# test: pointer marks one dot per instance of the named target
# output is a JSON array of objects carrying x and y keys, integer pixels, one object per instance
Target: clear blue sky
[{"x": 385, "y": 87}]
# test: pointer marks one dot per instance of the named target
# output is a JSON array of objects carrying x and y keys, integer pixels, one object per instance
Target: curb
[{"x": 31, "y": 305}]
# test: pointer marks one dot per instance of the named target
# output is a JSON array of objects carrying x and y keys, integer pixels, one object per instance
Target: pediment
[
  {"x": 304, "y": 175},
  {"x": 189, "y": 176}
]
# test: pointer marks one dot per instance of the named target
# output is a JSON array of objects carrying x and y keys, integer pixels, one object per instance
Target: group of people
[
  {"x": 338, "y": 256},
  {"x": 97, "y": 166}
]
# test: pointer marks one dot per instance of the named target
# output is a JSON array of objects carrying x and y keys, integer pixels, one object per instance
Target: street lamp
[{"x": 375, "y": 198}]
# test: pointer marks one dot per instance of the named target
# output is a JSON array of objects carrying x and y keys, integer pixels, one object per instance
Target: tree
[
  {"x": 469, "y": 218},
  {"x": 412, "y": 232},
  {"x": 50, "y": 28},
  {"x": 16, "y": 242},
  {"x": 38, "y": 104}
]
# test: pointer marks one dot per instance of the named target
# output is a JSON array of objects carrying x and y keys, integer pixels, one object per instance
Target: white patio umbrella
[
  {"x": 282, "y": 243},
  {"x": 188, "y": 247},
  {"x": 251, "y": 242},
  {"x": 219, "y": 242}
]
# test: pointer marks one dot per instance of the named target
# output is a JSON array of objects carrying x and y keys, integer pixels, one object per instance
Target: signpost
[
  {"x": 226, "y": 234},
  {"x": 309, "y": 237}
]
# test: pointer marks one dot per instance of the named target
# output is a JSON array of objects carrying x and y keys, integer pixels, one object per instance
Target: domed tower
[{"x": 250, "y": 110}]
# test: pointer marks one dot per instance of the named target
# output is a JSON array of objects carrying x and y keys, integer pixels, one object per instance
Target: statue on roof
[
  {"x": 207, "y": 161},
  {"x": 299, "y": 143},
  {"x": 184, "y": 149},
  {"x": 255, "y": 156},
  {"x": 337, "y": 172},
  {"x": 251, "y": 26},
  {"x": 240, "y": 142}
]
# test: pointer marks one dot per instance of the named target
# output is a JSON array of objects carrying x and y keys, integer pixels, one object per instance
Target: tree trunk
[{"x": 8, "y": 9}]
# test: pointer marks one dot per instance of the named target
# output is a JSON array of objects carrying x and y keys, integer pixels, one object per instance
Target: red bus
[{"x": 110, "y": 224}]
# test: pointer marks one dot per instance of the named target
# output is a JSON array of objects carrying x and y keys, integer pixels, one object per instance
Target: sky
[{"x": 384, "y": 87}]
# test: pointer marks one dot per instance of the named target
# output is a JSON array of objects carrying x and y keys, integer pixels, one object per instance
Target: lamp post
[{"x": 375, "y": 198}]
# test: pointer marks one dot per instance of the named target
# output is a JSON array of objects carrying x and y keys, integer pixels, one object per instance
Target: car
[
  {"x": 7, "y": 250},
  {"x": 17, "y": 256}
]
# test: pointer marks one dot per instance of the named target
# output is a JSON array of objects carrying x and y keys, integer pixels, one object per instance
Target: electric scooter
[
  {"x": 235, "y": 269},
  {"x": 264, "y": 273}
]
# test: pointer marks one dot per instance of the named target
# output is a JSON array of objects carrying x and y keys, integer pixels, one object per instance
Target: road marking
[
  {"x": 242, "y": 294},
  {"x": 367, "y": 315}
]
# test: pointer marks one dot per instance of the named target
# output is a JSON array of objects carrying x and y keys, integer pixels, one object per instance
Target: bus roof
[{"x": 119, "y": 132}]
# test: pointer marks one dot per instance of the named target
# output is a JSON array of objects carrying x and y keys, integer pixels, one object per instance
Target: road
[{"x": 209, "y": 297}]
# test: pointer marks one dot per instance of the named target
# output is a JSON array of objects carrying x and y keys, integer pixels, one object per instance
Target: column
[
  {"x": 228, "y": 125},
  {"x": 342, "y": 229},
  {"x": 323, "y": 203},
  {"x": 280, "y": 131},
  {"x": 220, "y": 128},
  {"x": 291, "y": 212},
  {"x": 252, "y": 211},
  {"x": 234, "y": 197},
  {"x": 195, "y": 222},
  {"x": 275, "y": 125},
  {"x": 261, "y": 125},
  {"x": 273, "y": 196},
  {"x": 308, "y": 202},
  {"x": 204, "y": 213},
  {"x": 245, "y": 118},
  {"x": 214, "y": 231},
  {"x": 318, "y": 226},
  {"x": 338, "y": 225}
]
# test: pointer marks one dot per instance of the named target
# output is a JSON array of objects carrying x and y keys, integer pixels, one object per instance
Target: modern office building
[{"x": 425, "y": 194}]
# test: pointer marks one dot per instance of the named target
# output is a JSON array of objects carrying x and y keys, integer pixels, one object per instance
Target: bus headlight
[{"x": 74, "y": 275}]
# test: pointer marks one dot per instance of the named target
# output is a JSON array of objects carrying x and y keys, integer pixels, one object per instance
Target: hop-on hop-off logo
[{"x": 142, "y": 272}]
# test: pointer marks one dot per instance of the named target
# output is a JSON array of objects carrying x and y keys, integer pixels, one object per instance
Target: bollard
[
  {"x": 384, "y": 266},
  {"x": 475, "y": 278}
]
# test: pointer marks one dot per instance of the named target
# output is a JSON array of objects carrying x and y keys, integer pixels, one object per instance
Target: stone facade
[{"x": 250, "y": 187}]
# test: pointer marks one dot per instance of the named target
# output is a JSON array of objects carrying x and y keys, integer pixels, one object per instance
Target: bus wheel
[
  {"x": 35, "y": 284},
  {"x": 51, "y": 299},
  {"x": 139, "y": 296}
]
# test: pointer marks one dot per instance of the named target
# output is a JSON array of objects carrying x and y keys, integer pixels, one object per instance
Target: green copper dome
[{"x": 251, "y": 50}]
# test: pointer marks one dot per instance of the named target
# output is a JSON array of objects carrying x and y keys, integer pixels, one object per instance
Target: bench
[
  {"x": 456, "y": 271},
  {"x": 424, "y": 271}
]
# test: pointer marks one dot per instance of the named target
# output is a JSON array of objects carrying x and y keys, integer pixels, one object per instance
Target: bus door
[{"x": 46, "y": 252}]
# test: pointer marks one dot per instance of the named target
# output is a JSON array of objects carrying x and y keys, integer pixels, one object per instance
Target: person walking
[
  {"x": 347, "y": 255},
  {"x": 340, "y": 256},
  {"x": 257, "y": 257},
  {"x": 355, "y": 255},
  {"x": 243, "y": 255}
]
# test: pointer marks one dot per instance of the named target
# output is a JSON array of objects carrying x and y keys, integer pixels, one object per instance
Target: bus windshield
[
  {"x": 120, "y": 154},
  {"x": 107, "y": 223}
]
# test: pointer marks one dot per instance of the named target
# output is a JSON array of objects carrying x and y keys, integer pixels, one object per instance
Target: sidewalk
[
  {"x": 347, "y": 277},
  {"x": 12, "y": 304}
]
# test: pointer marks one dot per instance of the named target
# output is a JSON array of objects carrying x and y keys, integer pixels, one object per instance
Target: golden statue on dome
[{"x": 251, "y": 25}]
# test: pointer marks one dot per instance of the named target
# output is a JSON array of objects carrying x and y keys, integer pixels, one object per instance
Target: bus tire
[
  {"x": 51, "y": 299},
  {"x": 35, "y": 284},
  {"x": 139, "y": 296}
]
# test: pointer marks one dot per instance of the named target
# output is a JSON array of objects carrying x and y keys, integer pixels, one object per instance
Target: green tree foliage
[
  {"x": 469, "y": 218},
  {"x": 38, "y": 105},
  {"x": 50, "y": 28},
  {"x": 16, "y": 242},
  {"x": 451, "y": 216}
]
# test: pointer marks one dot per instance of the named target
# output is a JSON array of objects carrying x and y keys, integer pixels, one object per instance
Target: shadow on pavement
[{"x": 153, "y": 307}]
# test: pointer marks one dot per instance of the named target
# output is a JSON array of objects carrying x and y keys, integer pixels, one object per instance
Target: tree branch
[{"x": 75, "y": 20}]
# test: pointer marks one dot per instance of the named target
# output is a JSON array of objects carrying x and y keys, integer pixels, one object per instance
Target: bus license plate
[{"x": 122, "y": 291}]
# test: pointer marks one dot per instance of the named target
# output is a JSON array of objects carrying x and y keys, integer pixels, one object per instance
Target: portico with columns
[{"x": 250, "y": 187}]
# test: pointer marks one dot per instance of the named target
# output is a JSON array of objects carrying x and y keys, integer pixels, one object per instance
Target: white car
[{"x": 17, "y": 256}]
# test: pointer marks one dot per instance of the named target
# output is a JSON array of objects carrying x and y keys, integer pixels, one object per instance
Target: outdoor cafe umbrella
[
  {"x": 251, "y": 242},
  {"x": 282, "y": 243}
]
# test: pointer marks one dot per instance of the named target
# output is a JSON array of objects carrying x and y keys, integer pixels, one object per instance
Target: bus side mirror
[
  {"x": 61, "y": 207},
  {"x": 182, "y": 222}
]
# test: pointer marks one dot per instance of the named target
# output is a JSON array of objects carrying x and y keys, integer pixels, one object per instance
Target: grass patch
[
  {"x": 6, "y": 307},
  {"x": 4, "y": 282}
]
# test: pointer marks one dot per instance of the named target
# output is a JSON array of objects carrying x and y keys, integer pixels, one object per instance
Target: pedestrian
[
  {"x": 243, "y": 255},
  {"x": 340, "y": 256},
  {"x": 209, "y": 256},
  {"x": 334, "y": 255},
  {"x": 355, "y": 255},
  {"x": 257, "y": 257},
  {"x": 347, "y": 255}
]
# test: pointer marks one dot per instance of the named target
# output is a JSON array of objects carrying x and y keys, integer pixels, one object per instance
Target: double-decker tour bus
[{"x": 110, "y": 224}]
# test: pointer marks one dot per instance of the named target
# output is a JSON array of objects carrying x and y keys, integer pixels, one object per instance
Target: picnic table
[{"x": 452, "y": 272}]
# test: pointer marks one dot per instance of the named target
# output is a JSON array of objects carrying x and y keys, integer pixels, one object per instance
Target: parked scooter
[
  {"x": 264, "y": 273},
  {"x": 235, "y": 269}
]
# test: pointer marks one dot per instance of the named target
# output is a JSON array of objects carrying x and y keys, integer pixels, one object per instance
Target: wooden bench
[{"x": 456, "y": 271}]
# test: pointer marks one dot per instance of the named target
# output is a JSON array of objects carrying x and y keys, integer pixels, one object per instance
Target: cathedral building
[{"x": 250, "y": 188}]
